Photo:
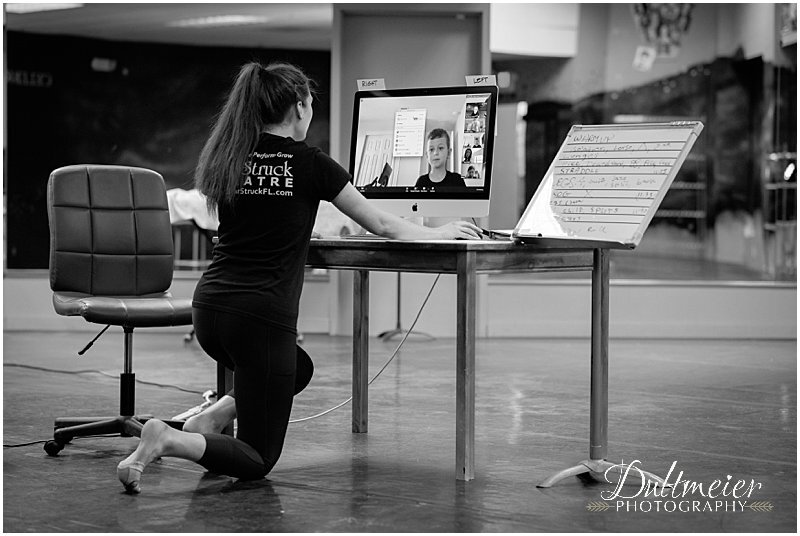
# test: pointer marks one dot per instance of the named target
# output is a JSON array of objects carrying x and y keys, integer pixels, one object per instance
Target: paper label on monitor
[
  {"x": 366, "y": 84},
  {"x": 481, "y": 80},
  {"x": 409, "y": 133}
]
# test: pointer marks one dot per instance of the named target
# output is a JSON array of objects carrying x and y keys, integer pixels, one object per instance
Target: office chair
[{"x": 111, "y": 262}]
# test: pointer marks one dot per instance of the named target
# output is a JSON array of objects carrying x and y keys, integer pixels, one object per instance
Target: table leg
[
  {"x": 597, "y": 465},
  {"x": 465, "y": 367},
  {"x": 360, "y": 350}
]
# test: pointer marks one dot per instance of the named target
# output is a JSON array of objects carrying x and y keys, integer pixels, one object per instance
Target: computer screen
[{"x": 426, "y": 151}]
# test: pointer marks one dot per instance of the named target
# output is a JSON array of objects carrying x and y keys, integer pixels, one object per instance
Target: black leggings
[{"x": 268, "y": 370}]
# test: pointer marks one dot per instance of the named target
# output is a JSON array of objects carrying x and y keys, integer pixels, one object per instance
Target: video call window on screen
[
  {"x": 472, "y": 156},
  {"x": 422, "y": 141}
]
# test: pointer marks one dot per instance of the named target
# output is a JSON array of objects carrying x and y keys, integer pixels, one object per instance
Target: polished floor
[{"x": 714, "y": 408}]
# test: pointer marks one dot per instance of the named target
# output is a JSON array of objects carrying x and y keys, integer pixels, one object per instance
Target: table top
[
  {"x": 445, "y": 256},
  {"x": 458, "y": 245}
]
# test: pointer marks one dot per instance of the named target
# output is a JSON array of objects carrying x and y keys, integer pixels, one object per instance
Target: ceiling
[{"x": 286, "y": 26}]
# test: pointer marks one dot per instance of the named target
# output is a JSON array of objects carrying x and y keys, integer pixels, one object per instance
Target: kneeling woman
[{"x": 265, "y": 185}]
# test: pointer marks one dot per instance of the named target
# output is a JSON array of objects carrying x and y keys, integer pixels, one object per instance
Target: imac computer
[{"x": 425, "y": 152}]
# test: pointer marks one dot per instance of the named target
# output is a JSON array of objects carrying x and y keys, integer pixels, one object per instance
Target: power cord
[
  {"x": 25, "y": 444},
  {"x": 86, "y": 371},
  {"x": 93, "y": 371},
  {"x": 394, "y": 354},
  {"x": 46, "y": 440}
]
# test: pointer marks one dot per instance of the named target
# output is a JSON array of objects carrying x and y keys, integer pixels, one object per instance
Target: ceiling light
[
  {"x": 218, "y": 20},
  {"x": 33, "y": 8}
]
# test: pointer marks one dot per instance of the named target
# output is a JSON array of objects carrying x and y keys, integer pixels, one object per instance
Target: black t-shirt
[
  {"x": 451, "y": 180},
  {"x": 258, "y": 264}
]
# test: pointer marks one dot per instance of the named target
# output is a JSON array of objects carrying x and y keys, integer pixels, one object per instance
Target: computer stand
[{"x": 398, "y": 330}]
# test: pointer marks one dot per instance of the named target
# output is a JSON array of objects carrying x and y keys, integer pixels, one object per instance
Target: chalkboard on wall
[{"x": 606, "y": 183}]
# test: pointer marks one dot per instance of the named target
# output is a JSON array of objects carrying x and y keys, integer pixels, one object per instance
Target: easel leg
[
  {"x": 597, "y": 465},
  {"x": 597, "y": 470},
  {"x": 465, "y": 367},
  {"x": 598, "y": 398},
  {"x": 398, "y": 329},
  {"x": 360, "y": 350}
]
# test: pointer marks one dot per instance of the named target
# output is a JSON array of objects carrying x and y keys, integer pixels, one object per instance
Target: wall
[
  {"x": 536, "y": 29},
  {"x": 507, "y": 199},
  {"x": 743, "y": 26},
  {"x": 698, "y": 45},
  {"x": 644, "y": 309},
  {"x": 564, "y": 79},
  {"x": 607, "y": 41},
  {"x": 585, "y": 73},
  {"x": 507, "y": 306},
  {"x": 27, "y": 303}
]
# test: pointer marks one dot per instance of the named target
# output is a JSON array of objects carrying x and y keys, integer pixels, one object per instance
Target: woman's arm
[{"x": 357, "y": 207}]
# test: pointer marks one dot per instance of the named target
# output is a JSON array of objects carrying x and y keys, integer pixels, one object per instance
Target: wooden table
[{"x": 467, "y": 259}]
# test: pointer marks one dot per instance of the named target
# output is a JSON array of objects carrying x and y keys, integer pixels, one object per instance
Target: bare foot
[
  {"x": 214, "y": 418},
  {"x": 152, "y": 444},
  {"x": 202, "y": 423}
]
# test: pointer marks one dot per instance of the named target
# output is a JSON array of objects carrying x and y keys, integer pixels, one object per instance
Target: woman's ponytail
[{"x": 260, "y": 96}]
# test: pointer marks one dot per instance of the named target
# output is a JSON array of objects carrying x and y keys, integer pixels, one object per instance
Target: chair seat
[{"x": 153, "y": 310}]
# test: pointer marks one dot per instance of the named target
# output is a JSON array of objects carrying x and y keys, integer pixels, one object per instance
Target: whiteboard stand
[
  {"x": 597, "y": 464},
  {"x": 605, "y": 185},
  {"x": 398, "y": 330}
]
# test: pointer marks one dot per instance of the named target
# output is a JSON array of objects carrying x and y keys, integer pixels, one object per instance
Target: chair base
[{"x": 68, "y": 428}]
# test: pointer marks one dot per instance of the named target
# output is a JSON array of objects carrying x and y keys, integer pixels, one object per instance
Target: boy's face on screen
[{"x": 438, "y": 152}]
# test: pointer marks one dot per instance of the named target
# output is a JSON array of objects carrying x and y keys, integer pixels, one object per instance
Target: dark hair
[
  {"x": 260, "y": 96},
  {"x": 439, "y": 133}
]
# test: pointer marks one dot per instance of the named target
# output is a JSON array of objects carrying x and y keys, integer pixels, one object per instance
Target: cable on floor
[
  {"x": 88, "y": 371},
  {"x": 394, "y": 354},
  {"x": 46, "y": 440},
  {"x": 94, "y": 371}
]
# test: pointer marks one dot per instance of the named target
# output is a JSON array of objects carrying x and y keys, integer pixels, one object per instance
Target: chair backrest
[{"x": 110, "y": 233}]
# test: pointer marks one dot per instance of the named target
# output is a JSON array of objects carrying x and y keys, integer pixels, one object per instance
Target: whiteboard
[{"x": 606, "y": 182}]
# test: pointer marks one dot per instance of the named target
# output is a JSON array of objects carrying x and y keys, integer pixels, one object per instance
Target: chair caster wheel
[{"x": 53, "y": 447}]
